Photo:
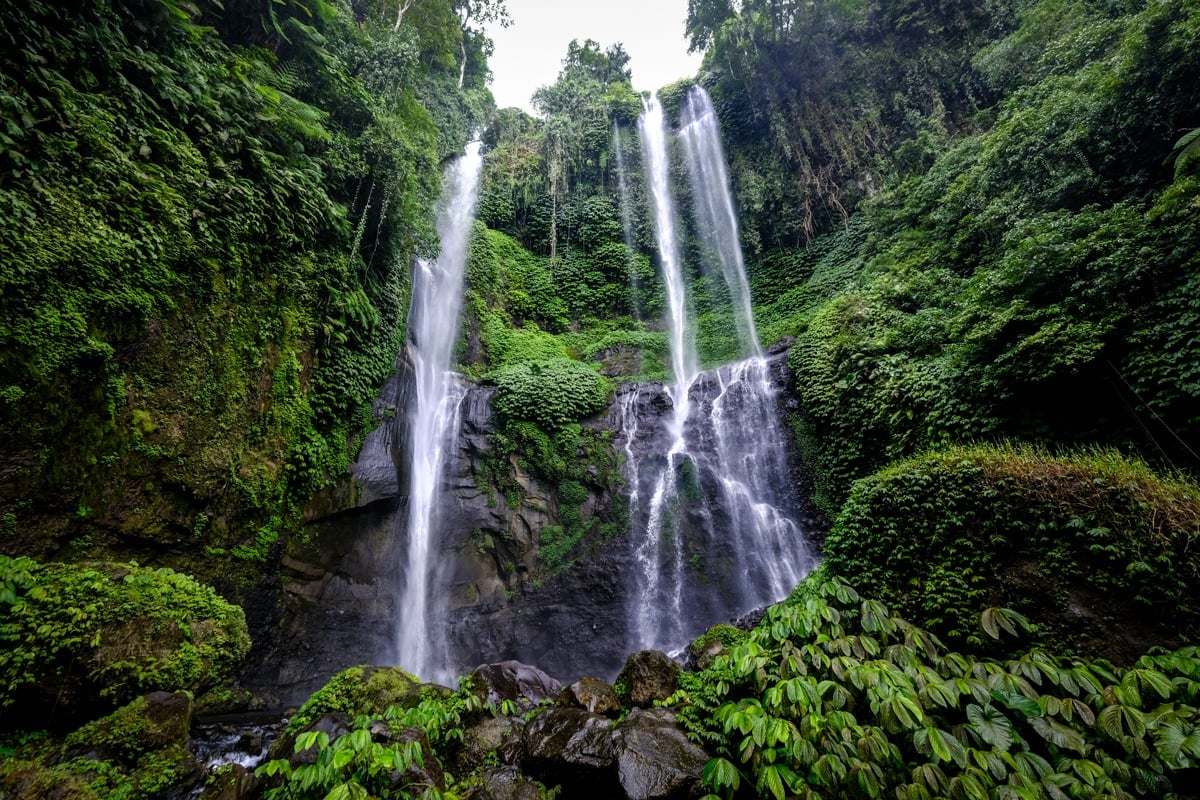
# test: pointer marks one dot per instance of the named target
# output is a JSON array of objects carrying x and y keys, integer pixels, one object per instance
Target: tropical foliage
[
  {"x": 1096, "y": 551},
  {"x": 81, "y": 637},
  {"x": 207, "y": 216},
  {"x": 833, "y": 695}
]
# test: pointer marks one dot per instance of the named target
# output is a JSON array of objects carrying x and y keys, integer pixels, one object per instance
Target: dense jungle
[{"x": 971, "y": 242}]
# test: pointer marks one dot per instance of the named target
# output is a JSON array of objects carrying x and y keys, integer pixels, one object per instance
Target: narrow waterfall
[
  {"x": 626, "y": 211},
  {"x": 716, "y": 220},
  {"x": 770, "y": 547},
  {"x": 659, "y": 550},
  {"x": 714, "y": 531},
  {"x": 432, "y": 421}
]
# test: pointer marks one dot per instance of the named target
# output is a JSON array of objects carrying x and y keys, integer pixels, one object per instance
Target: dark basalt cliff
[{"x": 339, "y": 577}]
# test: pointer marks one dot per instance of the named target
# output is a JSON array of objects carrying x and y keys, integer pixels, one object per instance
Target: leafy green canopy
[
  {"x": 820, "y": 102},
  {"x": 1031, "y": 282},
  {"x": 205, "y": 234},
  {"x": 551, "y": 393},
  {"x": 833, "y": 696},
  {"x": 85, "y": 636}
]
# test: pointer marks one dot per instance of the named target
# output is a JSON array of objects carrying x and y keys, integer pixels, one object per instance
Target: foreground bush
[
  {"x": 75, "y": 637},
  {"x": 1097, "y": 550},
  {"x": 833, "y": 696}
]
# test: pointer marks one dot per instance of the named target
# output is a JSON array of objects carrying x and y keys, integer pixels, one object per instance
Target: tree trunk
[{"x": 404, "y": 6}]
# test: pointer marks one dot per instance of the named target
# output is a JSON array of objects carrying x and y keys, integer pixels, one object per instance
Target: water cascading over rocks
[
  {"x": 714, "y": 530},
  {"x": 432, "y": 420}
]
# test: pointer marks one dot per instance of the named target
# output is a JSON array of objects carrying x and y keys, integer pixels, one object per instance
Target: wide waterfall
[
  {"x": 714, "y": 531},
  {"x": 432, "y": 419}
]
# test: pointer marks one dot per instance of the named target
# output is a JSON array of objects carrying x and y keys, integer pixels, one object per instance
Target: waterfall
[
  {"x": 659, "y": 550},
  {"x": 626, "y": 210},
  {"x": 713, "y": 511},
  {"x": 716, "y": 220},
  {"x": 432, "y": 420}
]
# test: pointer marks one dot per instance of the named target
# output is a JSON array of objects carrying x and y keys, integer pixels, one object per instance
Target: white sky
[{"x": 529, "y": 54}]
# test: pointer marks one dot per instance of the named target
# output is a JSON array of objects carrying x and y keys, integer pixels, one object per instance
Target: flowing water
[
  {"x": 712, "y": 502},
  {"x": 432, "y": 420},
  {"x": 715, "y": 217},
  {"x": 626, "y": 210},
  {"x": 659, "y": 552}
]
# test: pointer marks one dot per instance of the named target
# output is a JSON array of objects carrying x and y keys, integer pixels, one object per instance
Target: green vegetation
[
  {"x": 833, "y": 696},
  {"x": 978, "y": 221},
  {"x": 551, "y": 393},
  {"x": 138, "y": 752},
  {"x": 1023, "y": 278},
  {"x": 357, "y": 691},
  {"x": 81, "y": 637},
  {"x": 1097, "y": 551},
  {"x": 424, "y": 723},
  {"x": 205, "y": 241}
]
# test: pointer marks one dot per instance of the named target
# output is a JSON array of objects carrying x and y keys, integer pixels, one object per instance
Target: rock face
[
  {"x": 649, "y": 677},
  {"x": 339, "y": 578},
  {"x": 524, "y": 685},
  {"x": 655, "y": 759}
]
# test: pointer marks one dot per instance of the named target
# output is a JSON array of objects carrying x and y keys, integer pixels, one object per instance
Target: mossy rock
[
  {"x": 80, "y": 639},
  {"x": 714, "y": 641},
  {"x": 362, "y": 690},
  {"x": 1098, "y": 551},
  {"x": 138, "y": 751}
]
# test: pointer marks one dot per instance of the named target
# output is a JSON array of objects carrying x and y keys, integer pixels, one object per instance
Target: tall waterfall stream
[{"x": 432, "y": 423}]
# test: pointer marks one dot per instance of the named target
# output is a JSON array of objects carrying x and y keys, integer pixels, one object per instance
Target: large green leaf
[{"x": 991, "y": 725}]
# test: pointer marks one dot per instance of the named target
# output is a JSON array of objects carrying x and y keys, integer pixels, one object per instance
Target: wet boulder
[
  {"x": 425, "y": 773},
  {"x": 525, "y": 685},
  {"x": 592, "y": 694},
  {"x": 649, "y": 677},
  {"x": 574, "y": 748},
  {"x": 230, "y": 782},
  {"x": 655, "y": 759},
  {"x": 504, "y": 783},
  {"x": 499, "y": 735}
]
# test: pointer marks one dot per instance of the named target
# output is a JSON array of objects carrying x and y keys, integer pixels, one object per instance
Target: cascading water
[
  {"x": 659, "y": 552},
  {"x": 626, "y": 210},
  {"x": 715, "y": 217},
  {"x": 432, "y": 421},
  {"x": 714, "y": 530},
  {"x": 771, "y": 548}
]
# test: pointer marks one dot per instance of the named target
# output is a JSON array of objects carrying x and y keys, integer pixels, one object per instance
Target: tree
[{"x": 477, "y": 12}]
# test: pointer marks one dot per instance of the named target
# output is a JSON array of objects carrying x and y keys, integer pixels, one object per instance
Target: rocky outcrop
[
  {"x": 645, "y": 757},
  {"x": 524, "y": 685},
  {"x": 655, "y": 759},
  {"x": 340, "y": 578},
  {"x": 505, "y": 783},
  {"x": 592, "y": 694},
  {"x": 572, "y": 748},
  {"x": 649, "y": 677}
]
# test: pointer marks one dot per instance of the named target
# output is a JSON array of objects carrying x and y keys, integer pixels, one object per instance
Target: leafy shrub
[
  {"x": 100, "y": 634},
  {"x": 551, "y": 393},
  {"x": 362, "y": 763},
  {"x": 1096, "y": 550},
  {"x": 359, "y": 690},
  {"x": 834, "y": 696}
]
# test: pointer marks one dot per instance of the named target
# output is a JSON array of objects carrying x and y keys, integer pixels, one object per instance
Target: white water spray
[
  {"x": 433, "y": 325},
  {"x": 715, "y": 216},
  {"x": 714, "y": 532}
]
